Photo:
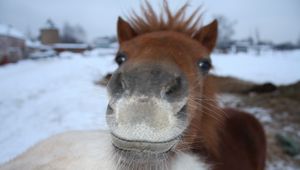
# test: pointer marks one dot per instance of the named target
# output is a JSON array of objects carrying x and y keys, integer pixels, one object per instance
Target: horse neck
[{"x": 202, "y": 135}]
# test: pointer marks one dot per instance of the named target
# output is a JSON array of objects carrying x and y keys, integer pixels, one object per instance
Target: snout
[
  {"x": 147, "y": 108},
  {"x": 149, "y": 80}
]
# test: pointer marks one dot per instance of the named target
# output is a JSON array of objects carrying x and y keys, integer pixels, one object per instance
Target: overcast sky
[{"x": 276, "y": 20}]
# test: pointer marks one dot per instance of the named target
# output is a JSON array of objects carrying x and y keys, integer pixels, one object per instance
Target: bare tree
[
  {"x": 50, "y": 24},
  {"x": 80, "y": 33},
  {"x": 298, "y": 42},
  {"x": 257, "y": 36},
  {"x": 29, "y": 35},
  {"x": 226, "y": 30},
  {"x": 257, "y": 41},
  {"x": 72, "y": 34}
]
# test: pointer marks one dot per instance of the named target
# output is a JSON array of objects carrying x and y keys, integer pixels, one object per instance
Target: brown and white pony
[{"x": 162, "y": 112}]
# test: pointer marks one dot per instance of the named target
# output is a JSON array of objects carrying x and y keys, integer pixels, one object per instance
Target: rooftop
[{"x": 11, "y": 31}]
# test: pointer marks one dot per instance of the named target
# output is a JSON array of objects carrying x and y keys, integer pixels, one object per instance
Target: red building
[{"x": 12, "y": 45}]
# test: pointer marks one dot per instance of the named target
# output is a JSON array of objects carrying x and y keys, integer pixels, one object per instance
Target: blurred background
[{"x": 56, "y": 57}]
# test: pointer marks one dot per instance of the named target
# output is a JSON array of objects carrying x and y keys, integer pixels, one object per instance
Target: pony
[{"x": 162, "y": 111}]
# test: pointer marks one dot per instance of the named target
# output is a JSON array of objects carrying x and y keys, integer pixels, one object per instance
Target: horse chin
[
  {"x": 144, "y": 146},
  {"x": 142, "y": 155},
  {"x": 143, "y": 151}
]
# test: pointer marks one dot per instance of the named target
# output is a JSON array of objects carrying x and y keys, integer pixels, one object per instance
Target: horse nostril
[
  {"x": 117, "y": 84},
  {"x": 173, "y": 86},
  {"x": 123, "y": 84},
  {"x": 109, "y": 110}
]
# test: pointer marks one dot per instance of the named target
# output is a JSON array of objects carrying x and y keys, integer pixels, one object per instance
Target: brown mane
[{"x": 151, "y": 21}]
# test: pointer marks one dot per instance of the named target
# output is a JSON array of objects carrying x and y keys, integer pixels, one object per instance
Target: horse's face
[{"x": 150, "y": 92}]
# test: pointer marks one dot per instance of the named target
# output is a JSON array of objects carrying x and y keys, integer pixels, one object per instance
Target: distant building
[
  {"x": 224, "y": 47},
  {"x": 12, "y": 45},
  {"x": 243, "y": 46},
  {"x": 50, "y": 37},
  {"x": 104, "y": 42},
  {"x": 76, "y": 47},
  {"x": 285, "y": 46},
  {"x": 49, "y": 34}
]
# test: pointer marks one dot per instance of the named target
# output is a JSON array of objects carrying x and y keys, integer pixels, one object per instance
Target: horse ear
[
  {"x": 124, "y": 30},
  {"x": 207, "y": 35}
]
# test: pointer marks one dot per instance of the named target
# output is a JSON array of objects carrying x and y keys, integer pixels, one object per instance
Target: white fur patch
[
  {"x": 153, "y": 120},
  {"x": 188, "y": 161},
  {"x": 90, "y": 150}
]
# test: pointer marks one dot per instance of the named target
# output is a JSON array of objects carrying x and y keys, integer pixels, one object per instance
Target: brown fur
[
  {"x": 150, "y": 21},
  {"x": 230, "y": 140}
]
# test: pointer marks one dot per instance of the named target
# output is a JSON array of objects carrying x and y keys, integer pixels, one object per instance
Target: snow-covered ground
[
  {"x": 280, "y": 68},
  {"x": 43, "y": 97}
]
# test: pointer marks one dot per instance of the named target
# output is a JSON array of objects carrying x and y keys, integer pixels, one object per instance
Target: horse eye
[
  {"x": 120, "y": 58},
  {"x": 204, "y": 65}
]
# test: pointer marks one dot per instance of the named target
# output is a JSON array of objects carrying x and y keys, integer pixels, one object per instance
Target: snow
[
  {"x": 42, "y": 54},
  {"x": 70, "y": 45},
  {"x": 33, "y": 44},
  {"x": 280, "y": 68},
  {"x": 44, "y": 97},
  {"x": 10, "y": 31},
  {"x": 40, "y": 98},
  {"x": 230, "y": 100},
  {"x": 280, "y": 165},
  {"x": 101, "y": 52},
  {"x": 261, "y": 114}
]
